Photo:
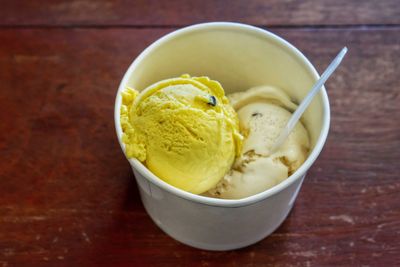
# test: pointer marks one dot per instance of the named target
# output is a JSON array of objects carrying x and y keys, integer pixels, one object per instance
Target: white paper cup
[{"x": 240, "y": 57}]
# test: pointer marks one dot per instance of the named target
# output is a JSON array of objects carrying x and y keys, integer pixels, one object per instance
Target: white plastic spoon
[{"x": 307, "y": 100}]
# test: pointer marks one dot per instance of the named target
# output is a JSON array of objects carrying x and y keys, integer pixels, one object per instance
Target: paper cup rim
[{"x": 140, "y": 168}]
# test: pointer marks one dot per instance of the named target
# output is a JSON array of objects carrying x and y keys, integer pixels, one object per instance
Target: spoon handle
[{"x": 307, "y": 100}]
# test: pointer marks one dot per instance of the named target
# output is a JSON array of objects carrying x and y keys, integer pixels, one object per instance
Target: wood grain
[
  {"x": 67, "y": 195},
  {"x": 181, "y": 12}
]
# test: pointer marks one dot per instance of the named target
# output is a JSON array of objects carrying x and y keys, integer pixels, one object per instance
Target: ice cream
[
  {"x": 183, "y": 129},
  {"x": 263, "y": 112}
]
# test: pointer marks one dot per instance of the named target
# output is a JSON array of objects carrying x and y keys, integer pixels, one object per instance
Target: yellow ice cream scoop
[{"x": 183, "y": 129}]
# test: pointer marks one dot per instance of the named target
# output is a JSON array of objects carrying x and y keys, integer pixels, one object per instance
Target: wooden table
[{"x": 67, "y": 194}]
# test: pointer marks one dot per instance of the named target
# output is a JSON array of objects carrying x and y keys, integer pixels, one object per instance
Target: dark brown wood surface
[
  {"x": 182, "y": 12},
  {"x": 67, "y": 195}
]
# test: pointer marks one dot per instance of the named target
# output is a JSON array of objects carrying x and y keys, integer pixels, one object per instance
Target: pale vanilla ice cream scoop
[
  {"x": 183, "y": 129},
  {"x": 263, "y": 112}
]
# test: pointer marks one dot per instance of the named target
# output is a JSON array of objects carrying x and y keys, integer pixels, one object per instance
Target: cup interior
[{"x": 239, "y": 57}]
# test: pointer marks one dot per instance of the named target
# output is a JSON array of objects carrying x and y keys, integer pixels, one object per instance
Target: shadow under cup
[{"x": 239, "y": 57}]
